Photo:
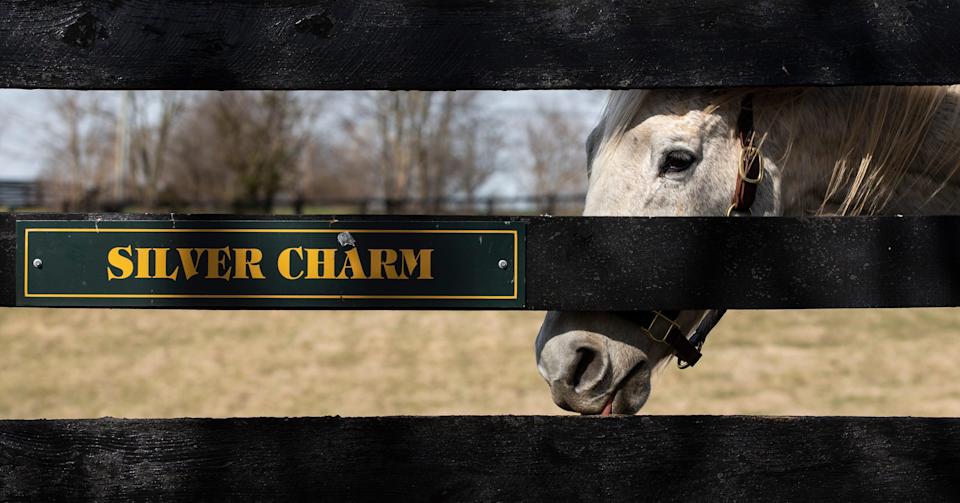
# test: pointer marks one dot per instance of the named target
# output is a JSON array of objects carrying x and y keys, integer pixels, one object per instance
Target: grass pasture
[{"x": 135, "y": 363}]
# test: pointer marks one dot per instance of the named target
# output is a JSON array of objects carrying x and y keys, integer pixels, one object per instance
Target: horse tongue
[{"x": 608, "y": 408}]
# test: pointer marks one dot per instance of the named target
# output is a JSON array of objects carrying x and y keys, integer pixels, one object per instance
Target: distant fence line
[
  {"x": 486, "y": 205},
  {"x": 30, "y": 194},
  {"x": 20, "y": 194}
]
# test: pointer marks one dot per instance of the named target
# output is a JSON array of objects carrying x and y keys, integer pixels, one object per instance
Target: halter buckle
[{"x": 750, "y": 152}]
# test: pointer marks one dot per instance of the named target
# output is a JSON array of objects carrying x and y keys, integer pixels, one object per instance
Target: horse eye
[{"x": 677, "y": 161}]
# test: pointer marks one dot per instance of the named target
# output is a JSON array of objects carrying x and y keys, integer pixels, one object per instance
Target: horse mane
[{"x": 886, "y": 129}]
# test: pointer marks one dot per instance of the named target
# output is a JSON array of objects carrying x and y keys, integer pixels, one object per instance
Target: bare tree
[
  {"x": 555, "y": 152},
  {"x": 238, "y": 149},
  {"x": 424, "y": 144},
  {"x": 154, "y": 117},
  {"x": 79, "y": 146},
  {"x": 242, "y": 150},
  {"x": 326, "y": 169},
  {"x": 476, "y": 156}
]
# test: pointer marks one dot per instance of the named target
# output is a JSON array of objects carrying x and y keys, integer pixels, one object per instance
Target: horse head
[{"x": 654, "y": 153}]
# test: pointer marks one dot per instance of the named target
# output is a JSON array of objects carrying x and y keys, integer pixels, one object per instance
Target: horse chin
[
  {"x": 629, "y": 402},
  {"x": 632, "y": 396}
]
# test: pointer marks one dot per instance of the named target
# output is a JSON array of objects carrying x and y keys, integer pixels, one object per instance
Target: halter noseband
[{"x": 662, "y": 326}]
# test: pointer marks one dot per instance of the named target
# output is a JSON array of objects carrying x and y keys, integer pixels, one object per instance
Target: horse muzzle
[{"x": 589, "y": 372}]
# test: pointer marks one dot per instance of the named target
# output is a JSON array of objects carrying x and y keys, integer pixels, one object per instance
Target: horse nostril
[{"x": 588, "y": 367}]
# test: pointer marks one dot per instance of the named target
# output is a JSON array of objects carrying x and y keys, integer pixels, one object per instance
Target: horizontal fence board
[
  {"x": 742, "y": 263},
  {"x": 474, "y": 44},
  {"x": 645, "y": 458},
  {"x": 614, "y": 264}
]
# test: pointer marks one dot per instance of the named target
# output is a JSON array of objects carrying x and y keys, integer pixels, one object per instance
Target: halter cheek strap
[
  {"x": 662, "y": 326},
  {"x": 700, "y": 332},
  {"x": 750, "y": 165}
]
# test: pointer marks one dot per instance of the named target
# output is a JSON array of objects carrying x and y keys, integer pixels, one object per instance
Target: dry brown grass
[{"x": 91, "y": 363}]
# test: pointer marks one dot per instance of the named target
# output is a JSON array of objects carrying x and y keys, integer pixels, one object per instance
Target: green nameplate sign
[{"x": 264, "y": 264}]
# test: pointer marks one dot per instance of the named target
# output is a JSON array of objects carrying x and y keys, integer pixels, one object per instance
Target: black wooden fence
[
  {"x": 545, "y": 44},
  {"x": 623, "y": 264},
  {"x": 15, "y": 194},
  {"x": 18, "y": 194},
  {"x": 474, "y": 44},
  {"x": 657, "y": 458}
]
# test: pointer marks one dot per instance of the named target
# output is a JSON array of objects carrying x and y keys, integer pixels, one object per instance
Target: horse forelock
[{"x": 619, "y": 114}]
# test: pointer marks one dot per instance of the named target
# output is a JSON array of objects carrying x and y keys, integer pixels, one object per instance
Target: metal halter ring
[
  {"x": 755, "y": 152},
  {"x": 649, "y": 329}
]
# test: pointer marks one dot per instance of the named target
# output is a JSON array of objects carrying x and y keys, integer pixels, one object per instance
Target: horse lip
[
  {"x": 607, "y": 408},
  {"x": 608, "y": 402},
  {"x": 626, "y": 379},
  {"x": 630, "y": 374}
]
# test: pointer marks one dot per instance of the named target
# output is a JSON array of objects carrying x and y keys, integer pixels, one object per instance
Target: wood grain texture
[
  {"x": 620, "y": 264},
  {"x": 474, "y": 44},
  {"x": 742, "y": 263},
  {"x": 8, "y": 259},
  {"x": 653, "y": 458}
]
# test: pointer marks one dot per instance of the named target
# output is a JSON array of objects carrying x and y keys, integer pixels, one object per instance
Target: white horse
[{"x": 841, "y": 151}]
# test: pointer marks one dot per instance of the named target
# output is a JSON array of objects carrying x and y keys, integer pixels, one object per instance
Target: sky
[{"x": 23, "y": 114}]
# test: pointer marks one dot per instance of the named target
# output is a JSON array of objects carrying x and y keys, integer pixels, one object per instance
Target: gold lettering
[
  {"x": 314, "y": 262},
  {"x": 354, "y": 264},
  {"x": 247, "y": 263},
  {"x": 119, "y": 261},
  {"x": 143, "y": 263},
  {"x": 283, "y": 263},
  {"x": 160, "y": 269},
  {"x": 190, "y": 264},
  {"x": 382, "y": 262},
  {"x": 411, "y": 260},
  {"x": 217, "y": 263}
]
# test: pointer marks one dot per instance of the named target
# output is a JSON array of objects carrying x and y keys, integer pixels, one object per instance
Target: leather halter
[
  {"x": 750, "y": 165},
  {"x": 662, "y": 326}
]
